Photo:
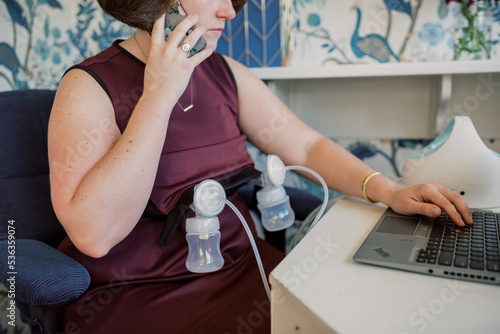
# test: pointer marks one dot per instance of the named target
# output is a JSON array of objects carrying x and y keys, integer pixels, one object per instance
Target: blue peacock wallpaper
[
  {"x": 41, "y": 38},
  {"x": 347, "y": 32}
]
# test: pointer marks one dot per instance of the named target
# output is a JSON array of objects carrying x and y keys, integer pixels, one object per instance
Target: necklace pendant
[{"x": 188, "y": 107}]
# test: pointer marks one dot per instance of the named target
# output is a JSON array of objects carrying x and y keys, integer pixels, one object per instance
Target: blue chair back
[{"x": 24, "y": 170}]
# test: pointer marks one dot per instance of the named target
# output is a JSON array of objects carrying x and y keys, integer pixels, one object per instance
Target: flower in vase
[{"x": 472, "y": 29}]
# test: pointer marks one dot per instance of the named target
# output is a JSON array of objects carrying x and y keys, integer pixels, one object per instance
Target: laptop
[{"x": 436, "y": 246}]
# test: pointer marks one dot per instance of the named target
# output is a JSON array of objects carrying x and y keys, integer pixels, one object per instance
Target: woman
[{"x": 142, "y": 124}]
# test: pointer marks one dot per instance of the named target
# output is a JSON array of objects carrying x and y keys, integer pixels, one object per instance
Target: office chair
[{"x": 38, "y": 277}]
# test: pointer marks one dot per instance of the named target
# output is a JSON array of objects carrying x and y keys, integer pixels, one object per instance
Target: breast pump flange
[
  {"x": 285, "y": 217},
  {"x": 272, "y": 200},
  {"x": 202, "y": 231},
  {"x": 203, "y": 234}
]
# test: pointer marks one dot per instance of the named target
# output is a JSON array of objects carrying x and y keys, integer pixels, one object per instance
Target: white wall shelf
[
  {"x": 378, "y": 70},
  {"x": 395, "y": 100}
]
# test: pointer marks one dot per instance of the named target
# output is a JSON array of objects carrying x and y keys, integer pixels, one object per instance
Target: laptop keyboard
[{"x": 473, "y": 247}]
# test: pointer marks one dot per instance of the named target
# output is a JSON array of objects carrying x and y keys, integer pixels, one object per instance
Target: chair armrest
[{"x": 40, "y": 274}]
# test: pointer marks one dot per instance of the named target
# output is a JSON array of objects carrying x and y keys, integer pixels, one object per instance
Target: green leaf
[
  {"x": 46, "y": 27},
  {"x": 29, "y": 3}
]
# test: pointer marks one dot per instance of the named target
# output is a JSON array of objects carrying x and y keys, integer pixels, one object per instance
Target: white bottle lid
[
  {"x": 208, "y": 198},
  {"x": 202, "y": 225},
  {"x": 276, "y": 170},
  {"x": 270, "y": 196}
]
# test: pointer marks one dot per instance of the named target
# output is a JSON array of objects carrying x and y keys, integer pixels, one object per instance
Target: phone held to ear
[{"x": 172, "y": 19}]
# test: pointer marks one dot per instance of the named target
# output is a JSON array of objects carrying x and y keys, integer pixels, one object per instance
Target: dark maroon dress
[{"x": 144, "y": 287}]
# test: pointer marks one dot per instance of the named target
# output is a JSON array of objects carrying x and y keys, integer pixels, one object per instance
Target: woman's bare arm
[
  {"x": 101, "y": 180},
  {"x": 273, "y": 128}
]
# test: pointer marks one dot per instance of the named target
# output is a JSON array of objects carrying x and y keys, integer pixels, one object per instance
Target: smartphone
[{"x": 175, "y": 15}]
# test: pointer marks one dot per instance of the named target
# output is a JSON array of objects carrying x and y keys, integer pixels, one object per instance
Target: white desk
[{"x": 319, "y": 288}]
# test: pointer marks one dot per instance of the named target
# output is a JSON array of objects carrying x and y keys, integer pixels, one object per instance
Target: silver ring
[{"x": 186, "y": 47}]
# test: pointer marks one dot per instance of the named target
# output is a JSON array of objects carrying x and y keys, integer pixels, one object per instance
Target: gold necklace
[{"x": 190, "y": 80}]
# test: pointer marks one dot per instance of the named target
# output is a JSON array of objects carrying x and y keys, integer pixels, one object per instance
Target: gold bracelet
[{"x": 365, "y": 182}]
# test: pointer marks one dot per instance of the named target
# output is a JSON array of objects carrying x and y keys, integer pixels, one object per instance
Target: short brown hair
[{"x": 142, "y": 14}]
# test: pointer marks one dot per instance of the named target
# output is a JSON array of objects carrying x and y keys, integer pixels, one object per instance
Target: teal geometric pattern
[{"x": 253, "y": 37}]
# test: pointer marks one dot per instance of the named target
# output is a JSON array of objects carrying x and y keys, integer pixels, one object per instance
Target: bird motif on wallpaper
[
  {"x": 372, "y": 45},
  {"x": 399, "y": 6}
]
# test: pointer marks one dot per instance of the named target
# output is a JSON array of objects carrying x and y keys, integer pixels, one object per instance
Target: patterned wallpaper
[
  {"x": 253, "y": 37},
  {"x": 41, "y": 38},
  {"x": 371, "y": 31}
]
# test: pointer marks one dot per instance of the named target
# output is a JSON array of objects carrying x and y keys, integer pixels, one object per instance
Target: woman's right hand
[{"x": 168, "y": 69}]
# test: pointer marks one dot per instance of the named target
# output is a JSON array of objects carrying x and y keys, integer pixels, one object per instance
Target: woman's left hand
[{"x": 429, "y": 199}]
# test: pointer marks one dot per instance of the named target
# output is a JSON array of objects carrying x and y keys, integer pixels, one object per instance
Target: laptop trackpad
[{"x": 398, "y": 225}]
